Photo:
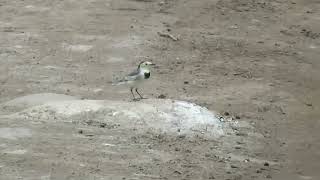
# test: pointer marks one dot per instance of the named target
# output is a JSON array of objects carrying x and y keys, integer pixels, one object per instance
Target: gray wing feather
[{"x": 135, "y": 75}]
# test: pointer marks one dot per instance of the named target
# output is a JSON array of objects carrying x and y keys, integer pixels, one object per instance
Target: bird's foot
[{"x": 135, "y": 99}]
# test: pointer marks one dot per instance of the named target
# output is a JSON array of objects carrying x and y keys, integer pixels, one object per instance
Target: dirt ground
[{"x": 254, "y": 60}]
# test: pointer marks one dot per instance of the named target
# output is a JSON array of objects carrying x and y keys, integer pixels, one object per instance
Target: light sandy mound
[
  {"x": 34, "y": 100},
  {"x": 153, "y": 114}
]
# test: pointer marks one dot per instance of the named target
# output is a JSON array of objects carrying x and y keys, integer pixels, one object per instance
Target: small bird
[{"x": 136, "y": 78}]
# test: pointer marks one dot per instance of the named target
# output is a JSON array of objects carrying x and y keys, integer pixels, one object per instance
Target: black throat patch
[{"x": 146, "y": 75}]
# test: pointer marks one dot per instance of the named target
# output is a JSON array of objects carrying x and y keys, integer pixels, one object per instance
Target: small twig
[
  {"x": 89, "y": 135},
  {"x": 167, "y": 35}
]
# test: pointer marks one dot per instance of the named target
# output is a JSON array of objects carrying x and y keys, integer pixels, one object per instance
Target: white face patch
[{"x": 145, "y": 64}]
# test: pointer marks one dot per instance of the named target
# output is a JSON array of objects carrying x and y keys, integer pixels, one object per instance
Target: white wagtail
[{"x": 136, "y": 78}]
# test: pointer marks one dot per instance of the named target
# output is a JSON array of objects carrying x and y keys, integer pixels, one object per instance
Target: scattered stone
[
  {"x": 177, "y": 149},
  {"x": 309, "y": 104},
  {"x": 269, "y": 176},
  {"x": 162, "y": 96},
  {"x": 266, "y": 164},
  {"x": 237, "y": 117},
  {"x": 80, "y": 131},
  {"x": 20, "y": 90},
  {"x": 161, "y": 3},
  {"x": 182, "y": 136},
  {"x": 103, "y": 125},
  {"x": 211, "y": 176},
  {"x": 241, "y": 134},
  {"x": 237, "y": 147},
  {"x": 186, "y": 82},
  {"x": 233, "y": 27},
  {"x": 98, "y": 90},
  {"x": 235, "y": 128},
  {"x": 226, "y": 113},
  {"x": 259, "y": 171},
  {"x": 234, "y": 166}
]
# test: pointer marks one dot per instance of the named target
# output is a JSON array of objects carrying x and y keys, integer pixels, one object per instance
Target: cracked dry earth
[{"x": 254, "y": 62}]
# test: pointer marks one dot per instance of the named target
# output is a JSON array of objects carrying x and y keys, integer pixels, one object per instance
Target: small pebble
[
  {"x": 259, "y": 171},
  {"x": 266, "y": 164},
  {"x": 162, "y": 96},
  {"x": 103, "y": 125},
  {"x": 182, "y": 136},
  {"x": 226, "y": 113},
  {"x": 241, "y": 134},
  {"x": 234, "y": 166},
  {"x": 309, "y": 104},
  {"x": 269, "y": 176}
]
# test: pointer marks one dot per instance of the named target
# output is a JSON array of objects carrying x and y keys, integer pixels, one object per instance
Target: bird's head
[{"x": 145, "y": 65}]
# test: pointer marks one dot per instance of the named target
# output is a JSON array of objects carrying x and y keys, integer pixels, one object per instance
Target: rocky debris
[{"x": 162, "y": 96}]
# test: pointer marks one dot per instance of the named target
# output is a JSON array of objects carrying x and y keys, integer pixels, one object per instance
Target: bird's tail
[{"x": 116, "y": 81}]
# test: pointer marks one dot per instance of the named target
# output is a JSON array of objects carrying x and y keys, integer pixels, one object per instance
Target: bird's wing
[{"x": 133, "y": 76}]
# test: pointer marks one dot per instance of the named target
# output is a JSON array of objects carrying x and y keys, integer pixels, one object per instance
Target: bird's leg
[
  {"x": 139, "y": 94},
  {"x": 134, "y": 98}
]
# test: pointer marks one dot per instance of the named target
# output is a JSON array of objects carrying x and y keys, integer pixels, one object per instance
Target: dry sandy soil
[{"x": 252, "y": 61}]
